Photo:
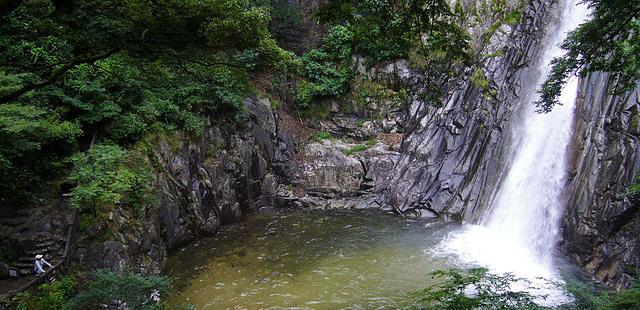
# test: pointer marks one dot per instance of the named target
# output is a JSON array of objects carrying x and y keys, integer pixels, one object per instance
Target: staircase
[{"x": 51, "y": 247}]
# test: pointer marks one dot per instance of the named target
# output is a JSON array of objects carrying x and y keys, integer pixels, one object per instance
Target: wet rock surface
[
  {"x": 453, "y": 155},
  {"x": 199, "y": 186},
  {"x": 602, "y": 221},
  {"x": 334, "y": 177}
]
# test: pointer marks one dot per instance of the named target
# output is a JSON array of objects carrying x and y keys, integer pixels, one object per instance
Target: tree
[
  {"x": 46, "y": 39},
  {"x": 77, "y": 73},
  {"x": 27, "y": 132},
  {"x": 386, "y": 29},
  {"x": 381, "y": 30},
  {"x": 102, "y": 177},
  {"x": 609, "y": 42}
]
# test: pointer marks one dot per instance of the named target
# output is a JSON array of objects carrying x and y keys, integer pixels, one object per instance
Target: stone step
[
  {"x": 23, "y": 212},
  {"x": 12, "y": 221},
  {"x": 48, "y": 242},
  {"x": 39, "y": 250},
  {"x": 23, "y": 265},
  {"x": 26, "y": 259}
]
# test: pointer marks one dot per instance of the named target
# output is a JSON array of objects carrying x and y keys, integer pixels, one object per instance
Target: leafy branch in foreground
[
  {"x": 586, "y": 297},
  {"x": 609, "y": 42},
  {"x": 477, "y": 289},
  {"x": 134, "y": 289},
  {"x": 473, "y": 289}
]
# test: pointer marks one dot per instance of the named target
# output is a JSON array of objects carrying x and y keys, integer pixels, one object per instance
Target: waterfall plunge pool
[{"x": 289, "y": 258}]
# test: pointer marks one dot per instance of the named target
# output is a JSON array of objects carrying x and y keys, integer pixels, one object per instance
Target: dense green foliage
[
  {"x": 472, "y": 289},
  {"x": 286, "y": 22},
  {"x": 101, "y": 288},
  {"x": 478, "y": 289},
  {"x": 384, "y": 30},
  {"x": 78, "y": 73},
  {"x": 134, "y": 289},
  {"x": 52, "y": 296},
  {"x": 380, "y": 30},
  {"x": 609, "y": 42},
  {"x": 27, "y": 133},
  {"x": 327, "y": 69},
  {"x": 103, "y": 178},
  {"x": 587, "y": 299}
]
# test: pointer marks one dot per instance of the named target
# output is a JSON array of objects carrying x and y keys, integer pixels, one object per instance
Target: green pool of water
[{"x": 309, "y": 260}]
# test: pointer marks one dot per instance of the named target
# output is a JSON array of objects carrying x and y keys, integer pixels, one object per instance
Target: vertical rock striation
[
  {"x": 452, "y": 159},
  {"x": 602, "y": 222},
  {"x": 199, "y": 185}
]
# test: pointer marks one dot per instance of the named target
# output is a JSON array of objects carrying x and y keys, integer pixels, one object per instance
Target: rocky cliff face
[
  {"x": 410, "y": 157},
  {"x": 199, "y": 184},
  {"x": 452, "y": 159},
  {"x": 602, "y": 221}
]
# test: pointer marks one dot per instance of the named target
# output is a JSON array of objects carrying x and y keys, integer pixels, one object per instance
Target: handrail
[
  {"x": 64, "y": 264},
  {"x": 40, "y": 278},
  {"x": 70, "y": 243}
]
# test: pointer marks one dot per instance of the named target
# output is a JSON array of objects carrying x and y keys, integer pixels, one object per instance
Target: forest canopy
[
  {"x": 75, "y": 73},
  {"x": 79, "y": 74}
]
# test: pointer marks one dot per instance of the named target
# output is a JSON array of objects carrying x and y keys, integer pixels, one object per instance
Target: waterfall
[
  {"x": 519, "y": 232},
  {"x": 528, "y": 206}
]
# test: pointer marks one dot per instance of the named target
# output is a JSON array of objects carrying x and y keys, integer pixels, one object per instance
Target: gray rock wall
[
  {"x": 453, "y": 158},
  {"x": 602, "y": 222},
  {"x": 200, "y": 184}
]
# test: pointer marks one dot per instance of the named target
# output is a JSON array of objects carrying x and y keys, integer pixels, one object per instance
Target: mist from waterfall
[{"x": 519, "y": 232}]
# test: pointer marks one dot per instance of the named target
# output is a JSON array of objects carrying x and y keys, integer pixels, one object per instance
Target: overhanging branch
[{"x": 56, "y": 74}]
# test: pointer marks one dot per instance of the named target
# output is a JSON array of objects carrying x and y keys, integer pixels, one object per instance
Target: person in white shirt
[{"x": 38, "y": 267}]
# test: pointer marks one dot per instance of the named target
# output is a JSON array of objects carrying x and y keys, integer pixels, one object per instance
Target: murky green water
[{"x": 309, "y": 260}]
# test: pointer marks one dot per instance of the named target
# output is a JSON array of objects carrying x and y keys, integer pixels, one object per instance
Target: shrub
[
  {"x": 489, "y": 292},
  {"x": 372, "y": 142},
  {"x": 101, "y": 176},
  {"x": 134, "y": 289},
  {"x": 587, "y": 298},
  {"x": 355, "y": 149},
  {"x": 52, "y": 296},
  {"x": 479, "y": 79},
  {"x": 323, "y": 135},
  {"x": 326, "y": 70},
  {"x": 478, "y": 289}
]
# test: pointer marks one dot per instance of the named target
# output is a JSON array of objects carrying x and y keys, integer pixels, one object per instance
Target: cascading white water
[
  {"x": 528, "y": 206},
  {"x": 518, "y": 234}
]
